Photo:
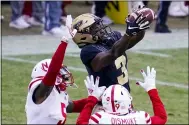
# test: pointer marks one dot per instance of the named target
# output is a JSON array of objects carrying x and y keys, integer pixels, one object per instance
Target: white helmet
[
  {"x": 64, "y": 78},
  {"x": 116, "y": 100},
  {"x": 41, "y": 68}
]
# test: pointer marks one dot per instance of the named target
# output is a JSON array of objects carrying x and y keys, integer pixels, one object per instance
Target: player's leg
[
  {"x": 162, "y": 17},
  {"x": 37, "y": 13},
  {"x": 99, "y": 10},
  {"x": 27, "y": 10},
  {"x": 17, "y": 21},
  {"x": 53, "y": 13}
]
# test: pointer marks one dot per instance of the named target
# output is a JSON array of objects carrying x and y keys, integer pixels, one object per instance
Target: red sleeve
[
  {"x": 55, "y": 65},
  {"x": 79, "y": 105},
  {"x": 86, "y": 112},
  {"x": 160, "y": 116}
]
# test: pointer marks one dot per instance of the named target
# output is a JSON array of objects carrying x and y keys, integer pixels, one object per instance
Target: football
[{"x": 149, "y": 13}]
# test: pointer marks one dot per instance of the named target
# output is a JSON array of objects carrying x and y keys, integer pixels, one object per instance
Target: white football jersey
[
  {"x": 51, "y": 111},
  {"x": 137, "y": 117}
]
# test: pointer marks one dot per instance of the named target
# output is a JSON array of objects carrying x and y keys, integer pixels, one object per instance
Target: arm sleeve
[
  {"x": 88, "y": 53},
  {"x": 160, "y": 116},
  {"x": 86, "y": 112},
  {"x": 55, "y": 65},
  {"x": 79, "y": 105}
]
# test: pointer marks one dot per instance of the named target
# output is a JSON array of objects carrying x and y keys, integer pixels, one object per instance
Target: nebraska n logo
[{"x": 45, "y": 66}]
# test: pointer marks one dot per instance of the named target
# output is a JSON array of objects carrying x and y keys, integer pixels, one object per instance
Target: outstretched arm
[
  {"x": 105, "y": 58},
  {"x": 160, "y": 116},
  {"x": 127, "y": 41},
  {"x": 47, "y": 84},
  {"x": 76, "y": 106},
  {"x": 94, "y": 94},
  {"x": 87, "y": 110},
  {"x": 135, "y": 39}
]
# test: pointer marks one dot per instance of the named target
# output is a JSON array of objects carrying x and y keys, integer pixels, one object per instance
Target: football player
[
  {"x": 116, "y": 101},
  {"x": 47, "y": 99},
  {"x": 103, "y": 50}
]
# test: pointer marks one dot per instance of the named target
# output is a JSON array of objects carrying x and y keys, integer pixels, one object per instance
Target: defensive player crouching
[
  {"x": 116, "y": 102},
  {"x": 47, "y": 100}
]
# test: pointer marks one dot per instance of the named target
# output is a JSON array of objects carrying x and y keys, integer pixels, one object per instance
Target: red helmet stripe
[{"x": 112, "y": 98}]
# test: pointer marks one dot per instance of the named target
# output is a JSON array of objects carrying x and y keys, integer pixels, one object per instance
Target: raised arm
[
  {"x": 134, "y": 33},
  {"x": 160, "y": 116},
  {"x": 76, "y": 106},
  {"x": 94, "y": 94},
  {"x": 135, "y": 39},
  {"x": 47, "y": 84}
]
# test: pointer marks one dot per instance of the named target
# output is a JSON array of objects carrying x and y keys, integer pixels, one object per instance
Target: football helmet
[
  {"x": 116, "y": 100},
  {"x": 64, "y": 78},
  {"x": 89, "y": 28}
]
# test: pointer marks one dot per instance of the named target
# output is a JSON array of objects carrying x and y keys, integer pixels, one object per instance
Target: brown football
[{"x": 149, "y": 13}]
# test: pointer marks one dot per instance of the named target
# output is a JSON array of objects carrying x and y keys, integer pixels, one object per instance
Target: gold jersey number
[{"x": 120, "y": 62}]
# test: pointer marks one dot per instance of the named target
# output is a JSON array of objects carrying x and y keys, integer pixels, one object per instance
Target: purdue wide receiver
[
  {"x": 103, "y": 50},
  {"x": 116, "y": 102}
]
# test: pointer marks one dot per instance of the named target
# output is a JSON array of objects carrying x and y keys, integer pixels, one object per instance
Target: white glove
[
  {"x": 71, "y": 31},
  {"x": 92, "y": 88},
  {"x": 149, "y": 79}
]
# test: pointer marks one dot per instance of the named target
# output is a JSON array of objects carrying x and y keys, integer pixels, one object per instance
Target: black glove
[{"x": 139, "y": 24}]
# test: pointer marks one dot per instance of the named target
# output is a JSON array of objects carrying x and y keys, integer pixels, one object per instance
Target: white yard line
[{"x": 177, "y": 85}]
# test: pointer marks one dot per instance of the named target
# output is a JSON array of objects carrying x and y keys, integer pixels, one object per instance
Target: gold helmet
[{"x": 90, "y": 29}]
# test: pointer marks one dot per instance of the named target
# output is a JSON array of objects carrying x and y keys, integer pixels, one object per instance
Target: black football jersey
[{"x": 115, "y": 73}]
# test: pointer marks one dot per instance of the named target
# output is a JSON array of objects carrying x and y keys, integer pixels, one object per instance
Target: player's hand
[
  {"x": 139, "y": 24},
  {"x": 149, "y": 79},
  {"x": 92, "y": 87},
  {"x": 71, "y": 32}
]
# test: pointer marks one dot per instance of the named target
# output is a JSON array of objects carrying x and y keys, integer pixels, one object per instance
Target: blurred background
[
  {"x": 41, "y": 17},
  {"x": 31, "y": 31}
]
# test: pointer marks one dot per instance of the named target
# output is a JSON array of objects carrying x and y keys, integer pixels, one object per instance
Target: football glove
[
  {"x": 92, "y": 87},
  {"x": 139, "y": 24},
  {"x": 149, "y": 79},
  {"x": 71, "y": 31}
]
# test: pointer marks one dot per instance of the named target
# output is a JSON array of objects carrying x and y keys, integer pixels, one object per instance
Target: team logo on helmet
[
  {"x": 45, "y": 66},
  {"x": 117, "y": 106}
]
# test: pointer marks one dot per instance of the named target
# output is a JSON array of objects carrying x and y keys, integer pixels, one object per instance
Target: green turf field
[{"x": 16, "y": 76}]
